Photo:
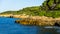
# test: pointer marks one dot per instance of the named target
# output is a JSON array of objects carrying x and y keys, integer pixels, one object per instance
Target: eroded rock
[{"x": 41, "y": 21}]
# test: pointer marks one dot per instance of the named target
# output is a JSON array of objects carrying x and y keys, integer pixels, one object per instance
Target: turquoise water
[{"x": 8, "y": 26}]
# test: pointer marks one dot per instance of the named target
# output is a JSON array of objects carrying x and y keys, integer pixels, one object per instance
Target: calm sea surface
[{"x": 8, "y": 26}]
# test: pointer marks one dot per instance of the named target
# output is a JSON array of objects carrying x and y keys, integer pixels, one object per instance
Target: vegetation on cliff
[
  {"x": 50, "y": 8},
  {"x": 46, "y": 9}
]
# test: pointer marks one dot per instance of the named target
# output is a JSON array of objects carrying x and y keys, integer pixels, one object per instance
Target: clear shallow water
[{"x": 8, "y": 26}]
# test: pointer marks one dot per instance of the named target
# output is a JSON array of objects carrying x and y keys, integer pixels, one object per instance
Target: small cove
[{"x": 8, "y": 26}]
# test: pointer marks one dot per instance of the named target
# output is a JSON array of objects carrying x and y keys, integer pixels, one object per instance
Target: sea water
[{"x": 8, "y": 26}]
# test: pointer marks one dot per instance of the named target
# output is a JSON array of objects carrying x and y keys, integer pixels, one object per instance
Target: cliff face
[{"x": 39, "y": 20}]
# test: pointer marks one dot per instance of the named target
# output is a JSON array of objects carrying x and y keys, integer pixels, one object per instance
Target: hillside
[{"x": 46, "y": 9}]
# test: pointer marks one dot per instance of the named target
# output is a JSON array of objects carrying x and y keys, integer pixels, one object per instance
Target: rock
[
  {"x": 18, "y": 21},
  {"x": 56, "y": 24},
  {"x": 11, "y": 16},
  {"x": 41, "y": 21},
  {"x": 31, "y": 21}
]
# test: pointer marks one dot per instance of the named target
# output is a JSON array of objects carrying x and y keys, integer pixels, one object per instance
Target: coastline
[
  {"x": 40, "y": 21},
  {"x": 34, "y": 20},
  {"x": 14, "y": 16}
]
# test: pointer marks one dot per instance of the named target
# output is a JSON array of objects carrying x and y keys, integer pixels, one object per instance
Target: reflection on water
[
  {"x": 49, "y": 30},
  {"x": 8, "y": 26}
]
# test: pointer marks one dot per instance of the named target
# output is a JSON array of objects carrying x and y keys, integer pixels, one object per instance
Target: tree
[{"x": 54, "y": 4}]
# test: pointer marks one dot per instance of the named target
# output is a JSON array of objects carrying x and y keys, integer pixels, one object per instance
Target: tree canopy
[{"x": 52, "y": 6}]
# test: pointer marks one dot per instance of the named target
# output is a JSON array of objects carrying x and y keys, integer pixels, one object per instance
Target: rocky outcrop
[
  {"x": 57, "y": 23},
  {"x": 36, "y": 20},
  {"x": 40, "y": 20}
]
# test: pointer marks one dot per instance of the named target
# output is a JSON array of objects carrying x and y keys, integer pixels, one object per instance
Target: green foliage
[
  {"x": 49, "y": 14},
  {"x": 42, "y": 13},
  {"x": 56, "y": 14},
  {"x": 50, "y": 3},
  {"x": 38, "y": 10},
  {"x": 53, "y": 14}
]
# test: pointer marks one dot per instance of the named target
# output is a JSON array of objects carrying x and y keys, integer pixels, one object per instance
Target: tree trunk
[
  {"x": 58, "y": 1},
  {"x": 49, "y": 8},
  {"x": 54, "y": 4}
]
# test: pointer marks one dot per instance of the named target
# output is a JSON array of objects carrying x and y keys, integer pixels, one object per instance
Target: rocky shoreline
[
  {"x": 14, "y": 16},
  {"x": 40, "y": 20},
  {"x": 35, "y": 20}
]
